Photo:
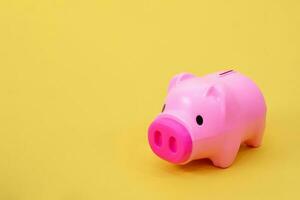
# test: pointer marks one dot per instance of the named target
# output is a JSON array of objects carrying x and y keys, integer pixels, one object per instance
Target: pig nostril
[
  {"x": 172, "y": 144},
  {"x": 157, "y": 138}
]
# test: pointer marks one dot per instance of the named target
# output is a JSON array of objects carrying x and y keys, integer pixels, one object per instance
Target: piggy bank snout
[{"x": 170, "y": 140}]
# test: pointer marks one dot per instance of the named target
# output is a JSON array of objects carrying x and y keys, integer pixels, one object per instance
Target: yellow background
[{"x": 80, "y": 82}]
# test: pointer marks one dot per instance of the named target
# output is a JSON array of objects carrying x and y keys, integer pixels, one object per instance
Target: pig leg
[
  {"x": 227, "y": 153},
  {"x": 256, "y": 138}
]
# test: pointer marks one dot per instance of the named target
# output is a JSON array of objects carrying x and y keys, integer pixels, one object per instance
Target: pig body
[{"x": 208, "y": 117}]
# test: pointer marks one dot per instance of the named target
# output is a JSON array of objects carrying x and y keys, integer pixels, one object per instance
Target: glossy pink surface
[{"x": 208, "y": 117}]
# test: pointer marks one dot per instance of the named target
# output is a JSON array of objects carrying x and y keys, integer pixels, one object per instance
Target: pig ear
[
  {"x": 179, "y": 78},
  {"x": 216, "y": 92}
]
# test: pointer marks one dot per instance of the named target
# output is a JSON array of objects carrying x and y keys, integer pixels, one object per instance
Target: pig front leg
[{"x": 227, "y": 153}]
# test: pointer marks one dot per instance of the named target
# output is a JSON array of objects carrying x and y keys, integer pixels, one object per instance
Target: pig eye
[
  {"x": 163, "y": 108},
  {"x": 199, "y": 120}
]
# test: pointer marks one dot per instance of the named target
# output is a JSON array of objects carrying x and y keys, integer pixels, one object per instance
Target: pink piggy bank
[{"x": 208, "y": 117}]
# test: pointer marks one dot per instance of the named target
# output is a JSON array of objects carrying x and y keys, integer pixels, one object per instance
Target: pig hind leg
[{"x": 256, "y": 138}]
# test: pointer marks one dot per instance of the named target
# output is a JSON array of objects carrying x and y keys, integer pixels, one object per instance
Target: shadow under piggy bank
[{"x": 206, "y": 165}]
